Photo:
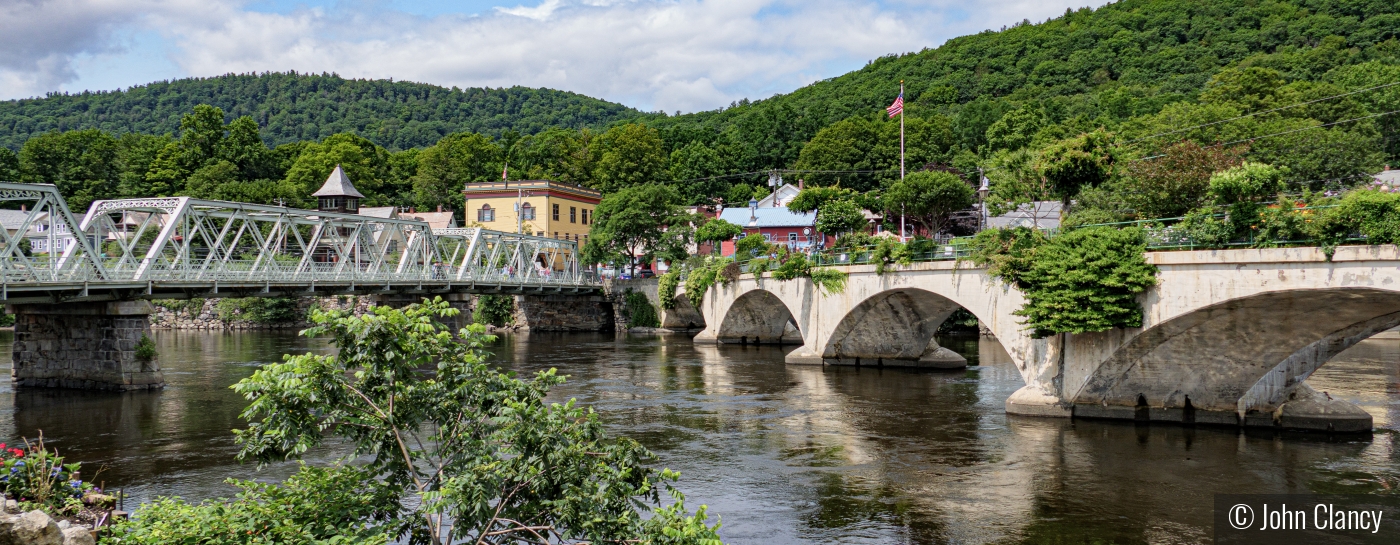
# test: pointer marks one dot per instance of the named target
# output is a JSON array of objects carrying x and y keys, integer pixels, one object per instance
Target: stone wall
[
  {"x": 564, "y": 313},
  {"x": 204, "y": 313},
  {"x": 83, "y": 345},
  {"x": 683, "y": 317}
]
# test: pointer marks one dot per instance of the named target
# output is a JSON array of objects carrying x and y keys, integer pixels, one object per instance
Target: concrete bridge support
[{"x": 83, "y": 345}]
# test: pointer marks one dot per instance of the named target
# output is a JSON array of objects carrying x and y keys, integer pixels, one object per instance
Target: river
[{"x": 788, "y": 454}]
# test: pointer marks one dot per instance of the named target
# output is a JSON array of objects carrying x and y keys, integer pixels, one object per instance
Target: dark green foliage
[
  {"x": 1092, "y": 216},
  {"x": 304, "y": 107},
  {"x": 840, "y": 216},
  {"x": 640, "y": 313},
  {"x": 1086, "y": 280},
  {"x": 927, "y": 200},
  {"x": 315, "y": 506},
  {"x": 641, "y": 221},
  {"x": 496, "y": 310},
  {"x": 258, "y": 310},
  {"x": 145, "y": 349},
  {"x": 7, "y": 319},
  {"x": 701, "y": 279}
]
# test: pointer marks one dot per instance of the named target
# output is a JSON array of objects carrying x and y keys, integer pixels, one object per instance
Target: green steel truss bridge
[{"x": 179, "y": 247}]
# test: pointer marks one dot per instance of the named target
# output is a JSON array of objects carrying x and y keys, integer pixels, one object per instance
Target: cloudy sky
[{"x": 669, "y": 55}]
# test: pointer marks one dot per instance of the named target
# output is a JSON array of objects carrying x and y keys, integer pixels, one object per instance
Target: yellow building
[{"x": 547, "y": 209}]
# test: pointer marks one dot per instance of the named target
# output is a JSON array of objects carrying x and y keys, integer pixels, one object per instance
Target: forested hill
[
  {"x": 302, "y": 107},
  {"x": 1107, "y": 65}
]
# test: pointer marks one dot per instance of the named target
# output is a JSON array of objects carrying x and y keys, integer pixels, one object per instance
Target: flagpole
[{"x": 901, "y": 158}]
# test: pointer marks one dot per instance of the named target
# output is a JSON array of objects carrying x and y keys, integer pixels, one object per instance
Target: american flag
[{"x": 898, "y": 106}]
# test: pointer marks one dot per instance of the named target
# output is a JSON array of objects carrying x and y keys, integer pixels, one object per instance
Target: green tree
[
  {"x": 1015, "y": 129},
  {"x": 716, "y": 231},
  {"x": 1069, "y": 166},
  {"x": 840, "y": 216},
  {"x": 871, "y": 149},
  {"x": 201, "y": 137},
  {"x": 629, "y": 155},
  {"x": 9, "y": 165},
  {"x": 928, "y": 199},
  {"x": 83, "y": 164},
  {"x": 695, "y": 166},
  {"x": 631, "y": 223},
  {"x": 480, "y": 455},
  {"x": 243, "y": 147},
  {"x": 814, "y": 197},
  {"x": 445, "y": 168},
  {"x": 557, "y": 154},
  {"x": 1177, "y": 181},
  {"x": 366, "y": 164}
]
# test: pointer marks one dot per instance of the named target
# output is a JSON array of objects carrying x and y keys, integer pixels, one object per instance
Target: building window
[
  {"x": 556, "y": 233},
  {"x": 585, "y": 216},
  {"x": 556, "y": 213},
  {"x": 573, "y": 214},
  {"x": 527, "y": 212},
  {"x": 486, "y": 213},
  {"x": 792, "y": 238}
]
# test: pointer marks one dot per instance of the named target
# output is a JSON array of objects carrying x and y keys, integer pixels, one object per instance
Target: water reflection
[{"x": 793, "y": 454}]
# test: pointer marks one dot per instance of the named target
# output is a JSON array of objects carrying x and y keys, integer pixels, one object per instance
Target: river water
[{"x": 789, "y": 454}]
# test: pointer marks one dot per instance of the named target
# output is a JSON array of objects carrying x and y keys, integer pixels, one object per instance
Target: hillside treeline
[{"x": 1302, "y": 85}]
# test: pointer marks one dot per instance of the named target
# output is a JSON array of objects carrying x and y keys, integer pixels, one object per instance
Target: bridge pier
[{"x": 90, "y": 346}]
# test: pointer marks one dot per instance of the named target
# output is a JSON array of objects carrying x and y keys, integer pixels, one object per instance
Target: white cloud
[{"x": 653, "y": 54}]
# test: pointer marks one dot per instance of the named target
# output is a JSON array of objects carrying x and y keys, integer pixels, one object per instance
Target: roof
[
  {"x": 12, "y": 219},
  {"x": 1039, "y": 214},
  {"x": 767, "y": 217},
  {"x": 785, "y": 194},
  {"x": 436, "y": 220},
  {"x": 386, "y": 212},
  {"x": 1388, "y": 177},
  {"x": 337, "y": 185}
]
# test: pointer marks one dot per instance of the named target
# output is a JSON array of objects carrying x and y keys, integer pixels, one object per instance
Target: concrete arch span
[
  {"x": 759, "y": 317},
  {"x": 1242, "y": 361},
  {"x": 893, "y": 327}
]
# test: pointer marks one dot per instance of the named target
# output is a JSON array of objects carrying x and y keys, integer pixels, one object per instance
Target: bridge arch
[
  {"x": 759, "y": 317},
  {"x": 894, "y": 326},
  {"x": 1248, "y": 354}
]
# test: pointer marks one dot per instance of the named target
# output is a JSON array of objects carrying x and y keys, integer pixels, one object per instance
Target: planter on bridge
[{"x": 84, "y": 345}]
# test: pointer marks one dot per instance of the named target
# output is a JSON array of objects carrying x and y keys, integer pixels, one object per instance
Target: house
[
  {"x": 546, "y": 208},
  {"x": 781, "y": 196},
  {"x": 338, "y": 194},
  {"x": 1389, "y": 179},
  {"x": 436, "y": 220},
  {"x": 778, "y": 225},
  {"x": 43, "y": 237}
]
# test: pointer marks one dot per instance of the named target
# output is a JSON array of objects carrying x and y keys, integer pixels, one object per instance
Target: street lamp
[{"x": 982, "y": 192}]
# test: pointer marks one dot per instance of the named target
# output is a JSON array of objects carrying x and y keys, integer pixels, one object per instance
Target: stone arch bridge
[{"x": 1228, "y": 337}]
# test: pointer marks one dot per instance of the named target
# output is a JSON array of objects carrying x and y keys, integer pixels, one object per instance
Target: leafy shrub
[
  {"x": 700, "y": 279},
  {"x": 796, "y": 266},
  {"x": 1092, "y": 216},
  {"x": 829, "y": 280},
  {"x": 1086, "y": 280},
  {"x": 666, "y": 285},
  {"x": 640, "y": 313},
  {"x": 750, "y": 246},
  {"x": 1368, "y": 213},
  {"x": 258, "y": 310},
  {"x": 1006, "y": 253},
  {"x": 496, "y": 310},
  {"x": 145, "y": 349},
  {"x": 889, "y": 251},
  {"x": 1245, "y": 183},
  {"x": 1202, "y": 227},
  {"x": 853, "y": 241},
  {"x": 38, "y": 478},
  {"x": 317, "y": 506},
  {"x": 6, "y": 319}
]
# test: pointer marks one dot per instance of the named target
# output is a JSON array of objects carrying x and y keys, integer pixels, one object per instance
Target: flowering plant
[{"x": 36, "y": 476}]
